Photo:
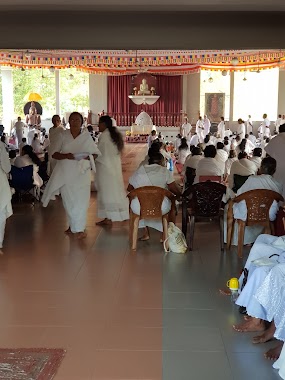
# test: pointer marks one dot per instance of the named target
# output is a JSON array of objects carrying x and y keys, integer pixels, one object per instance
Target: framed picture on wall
[{"x": 215, "y": 105}]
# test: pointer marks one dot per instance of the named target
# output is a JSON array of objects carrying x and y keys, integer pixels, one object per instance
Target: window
[{"x": 257, "y": 95}]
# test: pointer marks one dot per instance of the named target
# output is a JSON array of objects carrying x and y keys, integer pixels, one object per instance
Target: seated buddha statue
[{"x": 144, "y": 88}]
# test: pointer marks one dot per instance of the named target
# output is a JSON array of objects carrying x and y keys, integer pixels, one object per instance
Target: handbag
[{"x": 176, "y": 240}]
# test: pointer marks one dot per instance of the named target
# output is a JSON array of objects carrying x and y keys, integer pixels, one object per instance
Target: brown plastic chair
[
  {"x": 258, "y": 203},
  {"x": 150, "y": 199},
  {"x": 203, "y": 200}
]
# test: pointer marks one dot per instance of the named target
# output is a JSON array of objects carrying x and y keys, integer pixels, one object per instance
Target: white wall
[{"x": 97, "y": 95}]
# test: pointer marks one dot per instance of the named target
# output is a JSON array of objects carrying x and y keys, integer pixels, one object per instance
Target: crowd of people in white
[{"x": 71, "y": 154}]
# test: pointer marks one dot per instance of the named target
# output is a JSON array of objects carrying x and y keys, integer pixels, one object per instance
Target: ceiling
[
  {"x": 123, "y": 62},
  {"x": 146, "y": 5}
]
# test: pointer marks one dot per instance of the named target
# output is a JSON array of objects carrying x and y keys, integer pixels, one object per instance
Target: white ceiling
[{"x": 147, "y": 5}]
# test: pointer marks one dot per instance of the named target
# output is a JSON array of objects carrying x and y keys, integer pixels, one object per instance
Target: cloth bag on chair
[{"x": 176, "y": 240}]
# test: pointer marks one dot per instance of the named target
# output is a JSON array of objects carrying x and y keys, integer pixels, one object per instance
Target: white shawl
[{"x": 71, "y": 171}]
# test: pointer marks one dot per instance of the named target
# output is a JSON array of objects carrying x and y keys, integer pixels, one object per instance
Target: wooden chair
[
  {"x": 150, "y": 199},
  {"x": 212, "y": 178},
  {"x": 189, "y": 178},
  {"x": 258, "y": 203},
  {"x": 203, "y": 200}
]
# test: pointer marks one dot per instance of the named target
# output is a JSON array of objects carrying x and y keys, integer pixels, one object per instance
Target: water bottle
[
  {"x": 170, "y": 165},
  {"x": 233, "y": 285}
]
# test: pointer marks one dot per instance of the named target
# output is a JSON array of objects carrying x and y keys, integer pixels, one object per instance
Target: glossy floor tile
[{"x": 121, "y": 316}]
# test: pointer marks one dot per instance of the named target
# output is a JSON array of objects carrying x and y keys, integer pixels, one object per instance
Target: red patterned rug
[{"x": 29, "y": 363}]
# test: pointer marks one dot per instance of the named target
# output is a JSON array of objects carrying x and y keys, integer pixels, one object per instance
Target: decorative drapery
[{"x": 168, "y": 87}]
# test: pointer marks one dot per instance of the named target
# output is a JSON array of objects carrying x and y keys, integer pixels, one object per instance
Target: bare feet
[
  {"x": 80, "y": 235},
  {"x": 225, "y": 292},
  {"x": 105, "y": 222},
  {"x": 144, "y": 238},
  {"x": 274, "y": 353},
  {"x": 251, "y": 325},
  {"x": 266, "y": 336},
  {"x": 68, "y": 231}
]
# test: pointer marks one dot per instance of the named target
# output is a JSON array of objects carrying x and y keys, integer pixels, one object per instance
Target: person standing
[
  {"x": 241, "y": 129},
  {"x": 200, "y": 129},
  {"x": 207, "y": 125},
  {"x": 112, "y": 203},
  {"x": 54, "y": 132},
  {"x": 150, "y": 138},
  {"x": 266, "y": 126},
  {"x": 5, "y": 192},
  {"x": 278, "y": 122},
  {"x": 221, "y": 128},
  {"x": 186, "y": 129},
  {"x": 249, "y": 125},
  {"x": 75, "y": 151},
  {"x": 19, "y": 127}
]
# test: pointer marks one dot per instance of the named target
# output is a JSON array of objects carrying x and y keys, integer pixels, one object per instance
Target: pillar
[
  {"x": 193, "y": 97},
  {"x": 57, "y": 92},
  {"x": 281, "y": 93},
  {"x": 98, "y": 100},
  {"x": 232, "y": 87},
  {"x": 8, "y": 97}
]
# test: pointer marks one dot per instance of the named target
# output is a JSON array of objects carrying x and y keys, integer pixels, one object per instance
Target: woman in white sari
[
  {"x": 75, "y": 152},
  {"x": 112, "y": 202},
  {"x": 154, "y": 174},
  {"x": 5, "y": 192}
]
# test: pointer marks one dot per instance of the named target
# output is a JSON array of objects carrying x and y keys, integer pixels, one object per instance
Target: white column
[
  {"x": 8, "y": 98},
  {"x": 193, "y": 97},
  {"x": 98, "y": 100},
  {"x": 232, "y": 87},
  {"x": 281, "y": 93},
  {"x": 57, "y": 92}
]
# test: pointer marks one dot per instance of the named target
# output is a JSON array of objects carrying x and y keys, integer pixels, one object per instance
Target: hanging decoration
[{"x": 122, "y": 62}]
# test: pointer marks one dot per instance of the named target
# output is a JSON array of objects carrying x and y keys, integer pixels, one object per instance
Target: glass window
[{"x": 257, "y": 95}]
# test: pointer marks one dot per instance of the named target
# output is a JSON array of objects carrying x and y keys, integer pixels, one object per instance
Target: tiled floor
[{"x": 121, "y": 316}]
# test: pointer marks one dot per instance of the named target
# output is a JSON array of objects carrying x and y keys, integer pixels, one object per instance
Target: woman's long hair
[
  {"x": 27, "y": 149},
  {"x": 184, "y": 145},
  {"x": 116, "y": 136}
]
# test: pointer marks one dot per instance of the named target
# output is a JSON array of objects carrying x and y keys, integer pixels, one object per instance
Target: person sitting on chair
[{"x": 153, "y": 174}]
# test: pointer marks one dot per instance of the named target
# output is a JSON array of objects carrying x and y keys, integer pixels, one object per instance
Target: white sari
[
  {"x": 5, "y": 191},
  {"x": 112, "y": 202},
  {"x": 72, "y": 179}
]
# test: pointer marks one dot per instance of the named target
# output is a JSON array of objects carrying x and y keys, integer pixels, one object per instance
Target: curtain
[{"x": 166, "y": 111}]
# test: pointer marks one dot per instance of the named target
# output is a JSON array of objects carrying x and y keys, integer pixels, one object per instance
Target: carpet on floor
[{"x": 29, "y": 363}]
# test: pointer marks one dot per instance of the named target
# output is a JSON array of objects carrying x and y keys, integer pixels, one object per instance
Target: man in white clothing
[
  {"x": 241, "y": 129},
  {"x": 275, "y": 148},
  {"x": 242, "y": 167},
  {"x": 228, "y": 132},
  {"x": 194, "y": 139},
  {"x": 278, "y": 122},
  {"x": 262, "y": 181},
  {"x": 266, "y": 126},
  {"x": 252, "y": 138},
  {"x": 256, "y": 157},
  {"x": 19, "y": 127},
  {"x": 177, "y": 142},
  {"x": 249, "y": 125},
  {"x": 207, "y": 125},
  {"x": 221, "y": 128},
  {"x": 200, "y": 129},
  {"x": 209, "y": 166},
  {"x": 54, "y": 135},
  {"x": 186, "y": 129}
]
